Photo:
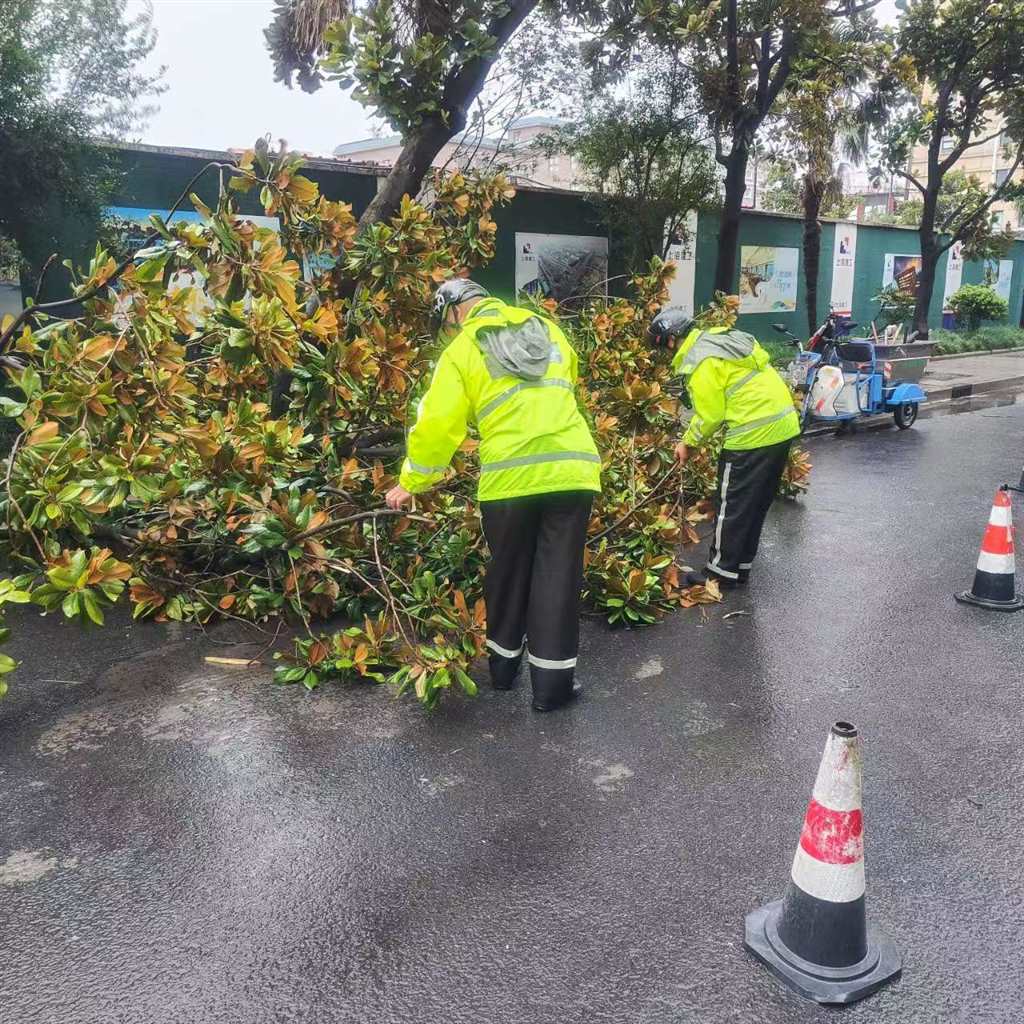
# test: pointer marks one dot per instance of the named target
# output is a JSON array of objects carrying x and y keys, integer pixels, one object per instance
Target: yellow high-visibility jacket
[
  {"x": 513, "y": 374},
  {"x": 730, "y": 381}
]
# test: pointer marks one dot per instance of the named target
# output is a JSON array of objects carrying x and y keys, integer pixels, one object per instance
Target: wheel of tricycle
[{"x": 905, "y": 415}]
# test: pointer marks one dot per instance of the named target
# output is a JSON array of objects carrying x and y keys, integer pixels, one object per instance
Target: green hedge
[{"x": 984, "y": 339}]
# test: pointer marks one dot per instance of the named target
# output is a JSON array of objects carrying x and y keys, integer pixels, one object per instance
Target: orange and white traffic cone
[
  {"x": 816, "y": 938},
  {"x": 994, "y": 581}
]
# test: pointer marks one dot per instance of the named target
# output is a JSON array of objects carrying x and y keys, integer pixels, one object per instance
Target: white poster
[
  {"x": 768, "y": 279},
  {"x": 844, "y": 260},
  {"x": 684, "y": 255},
  {"x": 1004, "y": 279},
  {"x": 561, "y": 267},
  {"x": 954, "y": 273}
]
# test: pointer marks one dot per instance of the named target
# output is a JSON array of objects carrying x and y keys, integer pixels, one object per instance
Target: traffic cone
[
  {"x": 816, "y": 938},
  {"x": 994, "y": 585}
]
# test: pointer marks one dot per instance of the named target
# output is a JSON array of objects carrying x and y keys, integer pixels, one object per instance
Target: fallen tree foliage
[{"x": 148, "y": 465}]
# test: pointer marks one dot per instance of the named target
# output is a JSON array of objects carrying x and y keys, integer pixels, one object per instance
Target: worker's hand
[
  {"x": 682, "y": 453},
  {"x": 398, "y": 497}
]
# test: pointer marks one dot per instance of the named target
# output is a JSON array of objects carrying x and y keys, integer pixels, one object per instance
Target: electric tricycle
[{"x": 841, "y": 379}]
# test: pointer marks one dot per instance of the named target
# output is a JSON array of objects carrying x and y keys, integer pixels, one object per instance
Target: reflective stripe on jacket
[
  {"x": 533, "y": 438},
  {"x": 730, "y": 381}
]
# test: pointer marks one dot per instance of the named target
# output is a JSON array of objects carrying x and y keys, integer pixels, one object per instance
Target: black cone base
[
  {"x": 1013, "y": 605},
  {"x": 834, "y": 985}
]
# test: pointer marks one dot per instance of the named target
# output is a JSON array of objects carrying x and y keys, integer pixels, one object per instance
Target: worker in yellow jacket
[
  {"x": 512, "y": 374},
  {"x": 731, "y": 384}
]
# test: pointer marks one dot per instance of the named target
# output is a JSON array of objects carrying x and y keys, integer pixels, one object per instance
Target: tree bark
[
  {"x": 929, "y": 262},
  {"x": 729, "y": 225},
  {"x": 812, "y": 193},
  {"x": 460, "y": 92},
  {"x": 409, "y": 170}
]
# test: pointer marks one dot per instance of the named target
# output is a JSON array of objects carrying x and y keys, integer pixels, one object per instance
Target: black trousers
[
  {"x": 532, "y": 588},
  {"x": 747, "y": 484}
]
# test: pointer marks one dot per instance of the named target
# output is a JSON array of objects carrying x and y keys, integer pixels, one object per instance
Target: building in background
[
  {"x": 516, "y": 150},
  {"x": 989, "y": 162}
]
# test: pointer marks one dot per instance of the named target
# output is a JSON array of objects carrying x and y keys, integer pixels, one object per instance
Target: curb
[
  {"x": 969, "y": 390},
  {"x": 980, "y": 352}
]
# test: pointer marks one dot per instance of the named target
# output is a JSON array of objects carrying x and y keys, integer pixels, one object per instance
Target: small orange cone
[
  {"x": 994, "y": 581},
  {"x": 816, "y": 939}
]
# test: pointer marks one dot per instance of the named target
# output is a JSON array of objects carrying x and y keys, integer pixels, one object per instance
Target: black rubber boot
[
  {"x": 504, "y": 671},
  {"x": 553, "y": 688}
]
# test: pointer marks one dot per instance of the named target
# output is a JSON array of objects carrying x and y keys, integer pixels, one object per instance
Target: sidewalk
[{"x": 952, "y": 377}]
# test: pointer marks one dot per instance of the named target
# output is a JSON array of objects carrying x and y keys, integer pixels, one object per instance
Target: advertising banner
[
  {"x": 844, "y": 260},
  {"x": 1002, "y": 278},
  {"x": 768, "y": 279},
  {"x": 684, "y": 255},
  {"x": 561, "y": 267},
  {"x": 903, "y": 270},
  {"x": 954, "y": 272}
]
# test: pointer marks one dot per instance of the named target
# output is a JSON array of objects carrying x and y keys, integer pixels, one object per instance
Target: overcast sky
[{"x": 221, "y": 89}]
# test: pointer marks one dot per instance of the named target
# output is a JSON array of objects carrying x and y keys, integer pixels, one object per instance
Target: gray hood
[{"x": 519, "y": 350}]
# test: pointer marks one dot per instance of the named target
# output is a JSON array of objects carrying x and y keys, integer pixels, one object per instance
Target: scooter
[{"x": 841, "y": 380}]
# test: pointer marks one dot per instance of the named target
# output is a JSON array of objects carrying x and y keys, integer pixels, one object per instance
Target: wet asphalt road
[{"x": 182, "y": 843}]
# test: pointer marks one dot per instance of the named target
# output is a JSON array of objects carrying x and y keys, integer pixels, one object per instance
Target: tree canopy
[
  {"x": 69, "y": 75},
  {"x": 645, "y": 154},
  {"x": 961, "y": 64}
]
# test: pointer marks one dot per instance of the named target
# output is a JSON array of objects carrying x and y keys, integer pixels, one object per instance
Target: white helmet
[{"x": 452, "y": 293}]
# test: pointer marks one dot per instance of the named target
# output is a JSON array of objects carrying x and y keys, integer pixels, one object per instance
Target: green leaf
[
  {"x": 152, "y": 269},
  {"x": 7, "y": 664},
  {"x": 10, "y": 407},
  {"x": 70, "y": 606},
  {"x": 468, "y": 686},
  {"x": 92, "y": 608}
]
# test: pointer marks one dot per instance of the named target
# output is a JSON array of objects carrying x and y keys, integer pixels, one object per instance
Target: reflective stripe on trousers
[
  {"x": 724, "y": 498},
  {"x": 536, "y": 460},
  {"x": 504, "y": 651}
]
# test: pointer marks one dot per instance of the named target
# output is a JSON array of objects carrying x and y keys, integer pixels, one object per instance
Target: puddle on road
[{"x": 973, "y": 403}]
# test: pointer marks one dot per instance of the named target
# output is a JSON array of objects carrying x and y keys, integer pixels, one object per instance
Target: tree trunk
[
  {"x": 812, "y": 194},
  {"x": 929, "y": 263},
  {"x": 460, "y": 92},
  {"x": 409, "y": 170},
  {"x": 729, "y": 226}
]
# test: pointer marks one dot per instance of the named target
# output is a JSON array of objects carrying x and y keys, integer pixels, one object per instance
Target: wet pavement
[{"x": 181, "y": 842}]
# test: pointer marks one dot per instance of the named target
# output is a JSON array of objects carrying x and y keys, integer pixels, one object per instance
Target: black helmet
[
  {"x": 669, "y": 323},
  {"x": 452, "y": 293}
]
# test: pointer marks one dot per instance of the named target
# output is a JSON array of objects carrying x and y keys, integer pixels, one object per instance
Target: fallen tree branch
[
  {"x": 338, "y": 523},
  {"x": 656, "y": 493}
]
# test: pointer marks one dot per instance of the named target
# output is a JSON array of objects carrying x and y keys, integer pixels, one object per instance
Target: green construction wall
[{"x": 156, "y": 178}]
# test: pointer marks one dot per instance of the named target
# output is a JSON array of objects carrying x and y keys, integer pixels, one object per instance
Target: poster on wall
[
  {"x": 844, "y": 261},
  {"x": 10, "y": 280},
  {"x": 130, "y": 226},
  {"x": 561, "y": 267},
  {"x": 126, "y": 229},
  {"x": 1000, "y": 277},
  {"x": 954, "y": 273},
  {"x": 768, "y": 279},
  {"x": 902, "y": 270},
  {"x": 682, "y": 251}
]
